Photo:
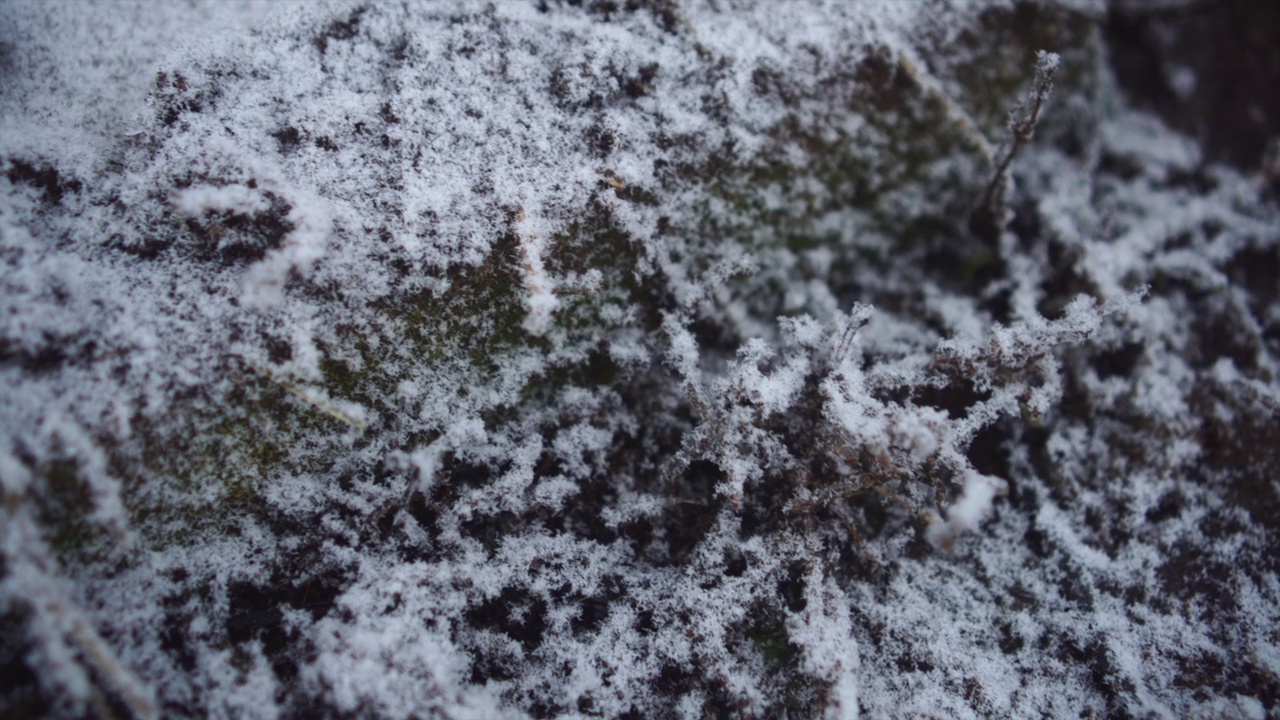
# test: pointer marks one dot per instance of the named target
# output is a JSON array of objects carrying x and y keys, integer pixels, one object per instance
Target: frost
[
  {"x": 645, "y": 359},
  {"x": 973, "y": 506},
  {"x": 531, "y": 234}
]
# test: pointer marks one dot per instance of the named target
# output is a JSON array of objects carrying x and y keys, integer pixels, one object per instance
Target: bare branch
[{"x": 988, "y": 219}]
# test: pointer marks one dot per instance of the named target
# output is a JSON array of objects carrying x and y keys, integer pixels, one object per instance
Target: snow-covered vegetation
[{"x": 636, "y": 359}]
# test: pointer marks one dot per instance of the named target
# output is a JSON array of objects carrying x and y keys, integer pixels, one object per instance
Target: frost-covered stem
[
  {"x": 858, "y": 317},
  {"x": 988, "y": 218},
  {"x": 311, "y": 397},
  {"x": 58, "y": 621},
  {"x": 540, "y": 296},
  {"x": 683, "y": 357}
]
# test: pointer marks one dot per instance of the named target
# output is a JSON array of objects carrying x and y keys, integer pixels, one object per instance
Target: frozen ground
[{"x": 636, "y": 359}]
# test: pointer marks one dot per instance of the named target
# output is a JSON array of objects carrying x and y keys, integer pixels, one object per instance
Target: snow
[{"x": 554, "y": 359}]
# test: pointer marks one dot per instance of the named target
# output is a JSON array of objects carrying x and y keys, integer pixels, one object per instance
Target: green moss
[
  {"x": 65, "y": 511},
  {"x": 888, "y": 141},
  {"x": 771, "y": 640},
  {"x": 996, "y": 61},
  {"x": 975, "y": 265},
  {"x": 896, "y": 140},
  {"x": 203, "y": 465}
]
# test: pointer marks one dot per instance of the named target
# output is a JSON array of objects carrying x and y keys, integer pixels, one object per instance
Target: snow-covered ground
[{"x": 626, "y": 359}]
